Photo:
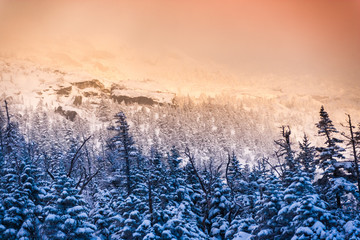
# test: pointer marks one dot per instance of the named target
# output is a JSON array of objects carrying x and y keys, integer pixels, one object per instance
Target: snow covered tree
[
  {"x": 20, "y": 195},
  {"x": 304, "y": 215},
  {"x": 136, "y": 209},
  {"x": 3, "y": 124},
  {"x": 352, "y": 230},
  {"x": 328, "y": 159},
  {"x": 353, "y": 141},
  {"x": 12, "y": 201},
  {"x": 201, "y": 192},
  {"x": 123, "y": 151},
  {"x": 41, "y": 127},
  {"x": 2, "y": 227},
  {"x": 267, "y": 209},
  {"x": 244, "y": 193},
  {"x": 15, "y": 203},
  {"x": 131, "y": 209},
  {"x": 103, "y": 111},
  {"x": 167, "y": 210},
  {"x": 219, "y": 209},
  {"x": 104, "y": 216},
  {"x": 242, "y": 186},
  {"x": 66, "y": 216},
  {"x": 285, "y": 151},
  {"x": 306, "y": 157},
  {"x": 181, "y": 215}
]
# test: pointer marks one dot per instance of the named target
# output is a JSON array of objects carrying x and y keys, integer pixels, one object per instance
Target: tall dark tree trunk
[
  {"x": 338, "y": 201},
  {"x": 353, "y": 144},
  {"x": 127, "y": 171},
  {"x": 150, "y": 201},
  {"x": 338, "y": 198}
]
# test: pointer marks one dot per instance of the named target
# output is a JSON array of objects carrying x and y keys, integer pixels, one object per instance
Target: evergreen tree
[
  {"x": 124, "y": 152},
  {"x": 304, "y": 214},
  {"x": 169, "y": 213},
  {"x": 103, "y": 216},
  {"x": 352, "y": 230},
  {"x": 131, "y": 210},
  {"x": 181, "y": 215},
  {"x": 267, "y": 209},
  {"x": 242, "y": 186},
  {"x": 136, "y": 209},
  {"x": 219, "y": 210},
  {"x": 328, "y": 160},
  {"x": 2, "y": 135},
  {"x": 244, "y": 193},
  {"x": 306, "y": 157},
  {"x": 2, "y": 227},
  {"x": 66, "y": 213},
  {"x": 21, "y": 197},
  {"x": 14, "y": 202}
]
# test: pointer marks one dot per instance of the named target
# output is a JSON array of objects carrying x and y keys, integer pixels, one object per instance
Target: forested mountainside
[
  {"x": 70, "y": 189},
  {"x": 243, "y": 116}
]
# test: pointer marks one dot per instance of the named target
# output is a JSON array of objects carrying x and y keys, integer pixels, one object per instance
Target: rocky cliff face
[{"x": 71, "y": 95}]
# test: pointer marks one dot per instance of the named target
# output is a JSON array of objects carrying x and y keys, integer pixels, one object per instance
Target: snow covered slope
[{"x": 78, "y": 84}]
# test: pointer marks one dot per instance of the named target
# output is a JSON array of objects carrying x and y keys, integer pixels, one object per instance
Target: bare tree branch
[
  {"x": 273, "y": 167},
  {"x": 191, "y": 160},
  {"x": 50, "y": 174},
  {"x": 73, "y": 160},
  {"x": 89, "y": 180},
  {"x": 7, "y": 112}
]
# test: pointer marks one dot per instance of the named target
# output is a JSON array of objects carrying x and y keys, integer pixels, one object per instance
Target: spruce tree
[
  {"x": 306, "y": 157},
  {"x": 328, "y": 160},
  {"x": 123, "y": 151},
  {"x": 66, "y": 216},
  {"x": 242, "y": 186},
  {"x": 304, "y": 215},
  {"x": 219, "y": 210},
  {"x": 21, "y": 197},
  {"x": 181, "y": 214},
  {"x": 267, "y": 210},
  {"x": 104, "y": 216}
]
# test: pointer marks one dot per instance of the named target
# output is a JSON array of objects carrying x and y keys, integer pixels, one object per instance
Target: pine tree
[
  {"x": 33, "y": 205},
  {"x": 267, "y": 209},
  {"x": 137, "y": 208},
  {"x": 244, "y": 194},
  {"x": 219, "y": 210},
  {"x": 352, "y": 229},
  {"x": 306, "y": 157},
  {"x": 66, "y": 213},
  {"x": 353, "y": 141},
  {"x": 181, "y": 214},
  {"x": 328, "y": 159},
  {"x": 242, "y": 186},
  {"x": 131, "y": 210},
  {"x": 13, "y": 202},
  {"x": 124, "y": 151},
  {"x": 304, "y": 215},
  {"x": 2, "y": 227},
  {"x": 21, "y": 197},
  {"x": 150, "y": 177},
  {"x": 103, "y": 216},
  {"x": 2, "y": 136}
]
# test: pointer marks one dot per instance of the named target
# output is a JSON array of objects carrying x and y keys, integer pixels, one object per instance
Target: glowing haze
[{"x": 188, "y": 46}]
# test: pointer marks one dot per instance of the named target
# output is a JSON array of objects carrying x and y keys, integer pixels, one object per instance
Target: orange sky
[{"x": 269, "y": 35}]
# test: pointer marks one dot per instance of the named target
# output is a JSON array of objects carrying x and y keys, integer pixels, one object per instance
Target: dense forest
[{"x": 51, "y": 192}]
